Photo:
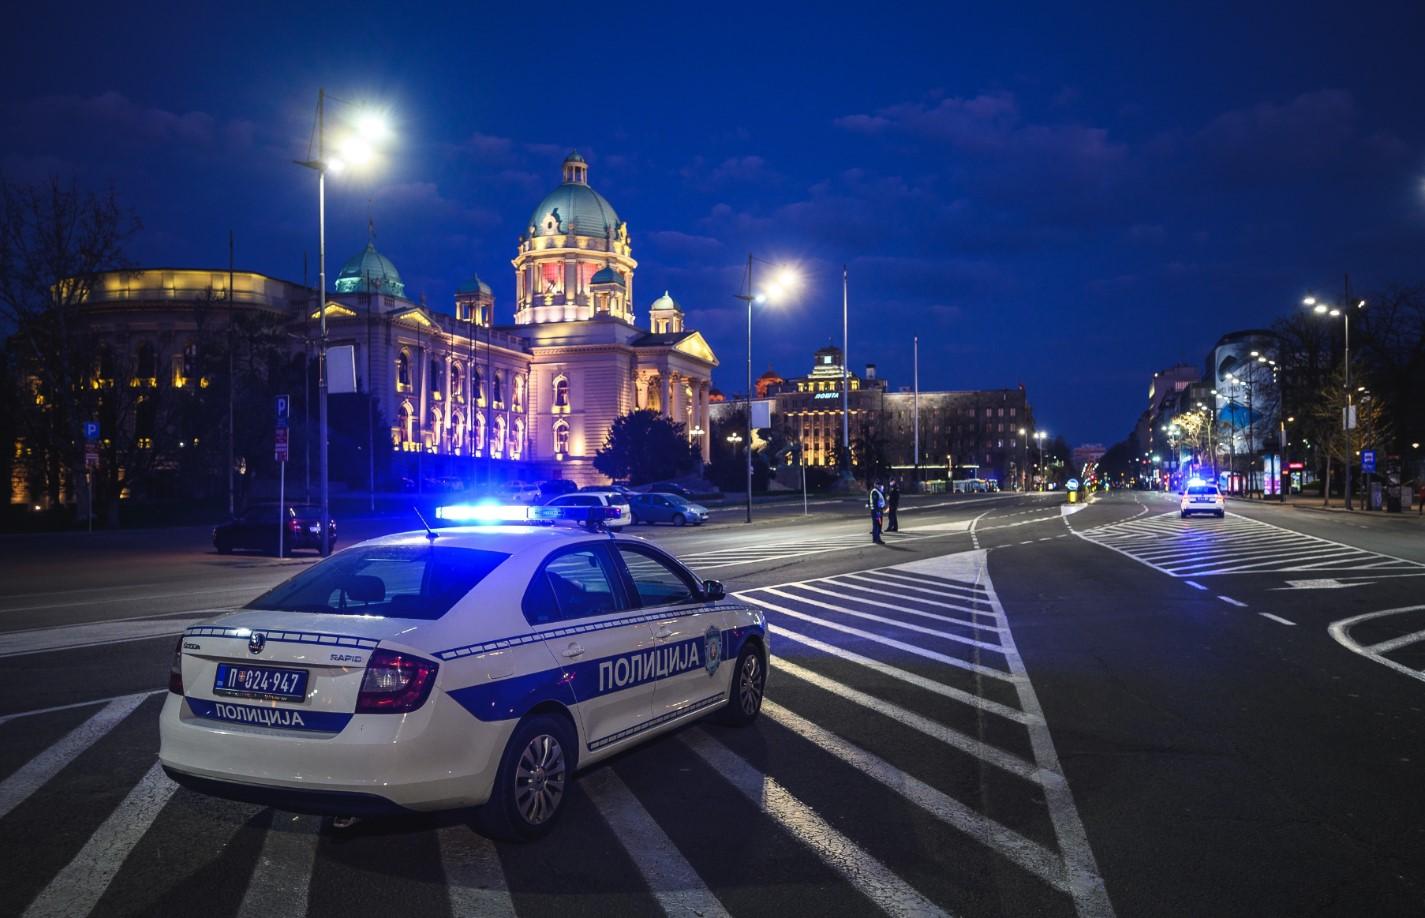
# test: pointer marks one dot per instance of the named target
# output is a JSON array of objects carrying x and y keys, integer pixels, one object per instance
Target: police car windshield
[
  {"x": 388, "y": 581},
  {"x": 1202, "y": 489}
]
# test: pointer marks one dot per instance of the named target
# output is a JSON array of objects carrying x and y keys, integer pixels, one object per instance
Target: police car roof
[{"x": 508, "y": 538}]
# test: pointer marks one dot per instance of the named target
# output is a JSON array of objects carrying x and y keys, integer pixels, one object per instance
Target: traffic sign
[
  {"x": 279, "y": 441},
  {"x": 283, "y": 403},
  {"x": 91, "y": 430},
  {"x": 91, "y": 455},
  {"x": 1072, "y": 484},
  {"x": 1368, "y": 460}
]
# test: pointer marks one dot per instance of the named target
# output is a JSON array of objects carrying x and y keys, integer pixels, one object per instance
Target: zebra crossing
[
  {"x": 903, "y": 766},
  {"x": 763, "y": 552},
  {"x": 1235, "y": 545}
]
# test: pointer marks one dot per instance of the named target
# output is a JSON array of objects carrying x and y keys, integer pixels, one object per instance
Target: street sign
[
  {"x": 1348, "y": 417},
  {"x": 279, "y": 441},
  {"x": 284, "y": 402},
  {"x": 1368, "y": 460},
  {"x": 91, "y": 455},
  {"x": 91, "y": 431},
  {"x": 1072, "y": 484}
]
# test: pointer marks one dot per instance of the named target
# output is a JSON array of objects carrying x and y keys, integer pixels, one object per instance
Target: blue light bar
[{"x": 492, "y": 513}]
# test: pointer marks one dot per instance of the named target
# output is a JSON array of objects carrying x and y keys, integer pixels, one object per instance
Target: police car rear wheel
[
  {"x": 533, "y": 780},
  {"x": 749, "y": 683}
]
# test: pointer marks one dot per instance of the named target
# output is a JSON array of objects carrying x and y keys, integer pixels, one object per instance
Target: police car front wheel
[
  {"x": 749, "y": 683},
  {"x": 533, "y": 780}
]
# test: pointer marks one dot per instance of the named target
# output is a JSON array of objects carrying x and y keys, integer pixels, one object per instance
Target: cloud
[
  {"x": 114, "y": 119},
  {"x": 424, "y": 200},
  {"x": 1280, "y": 139},
  {"x": 674, "y": 242}
]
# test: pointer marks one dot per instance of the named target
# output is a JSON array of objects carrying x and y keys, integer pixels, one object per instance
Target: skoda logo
[{"x": 256, "y": 641}]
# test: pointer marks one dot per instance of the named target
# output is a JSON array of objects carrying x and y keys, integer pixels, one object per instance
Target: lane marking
[
  {"x": 671, "y": 879},
  {"x": 38, "y": 771},
  {"x": 77, "y": 888},
  {"x": 1229, "y": 599},
  {"x": 1194, "y": 585},
  {"x": 1340, "y": 630},
  {"x": 1397, "y": 643},
  {"x": 282, "y": 878},
  {"x": 1030, "y": 855},
  {"x": 77, "y": 704},
  {"x": 951, "y": 620},
  {"x": 886, "y": 890},
  {"x": 930, "y": 685},
  {"x": 474, "y": 879},
  {"x": 1277, "y": 618},
  {"x": 886, "y": 620}
]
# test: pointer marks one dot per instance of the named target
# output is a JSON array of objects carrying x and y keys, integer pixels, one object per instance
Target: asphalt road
[{"x": 1009, "y": 709}]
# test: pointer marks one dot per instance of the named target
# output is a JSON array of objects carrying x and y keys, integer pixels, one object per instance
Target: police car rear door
[
  {"x": 578, "y": 605},
  {"x": 688, "y": 658}
]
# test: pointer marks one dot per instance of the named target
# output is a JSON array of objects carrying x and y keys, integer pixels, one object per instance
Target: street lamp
[
  {"x": 784, "y": 281},
  {"x": 1320, "y": 308},
  {"x": 357, "y": 148}
]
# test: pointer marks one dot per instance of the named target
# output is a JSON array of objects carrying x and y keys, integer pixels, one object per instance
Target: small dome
[
  {"x": 665, "y": 302},
  {"x": 772, "y": 374},
  {"x": 573, "y": 157},
  {"x": 474, "y": 285},
  {"x": 370, "y": 272},
  {"x": 606, "y": 275}
]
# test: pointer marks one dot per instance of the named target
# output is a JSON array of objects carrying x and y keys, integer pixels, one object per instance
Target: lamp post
[
  {"x": 786, "y": 279},
  {"x": 1347, "y": 422},
  {"x": 696, "y": 435},
  {"x": 1039, "y": 436},
  {"x": 357, "y": 150}
]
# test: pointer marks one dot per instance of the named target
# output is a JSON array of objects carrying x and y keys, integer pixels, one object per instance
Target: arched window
[
  {"x": 497, "y": 440},
  {"x": 436, "y": 427},
  {"x": 561, "y": 439},
  {"x": 519, "y": 392},
  {"x": 496, "y": 392},
  {"x": 479, "y": 433},
  {"x": 403, "y": 371},
  {"x": 457, "y": 390},
  {"x": 146, "y": 366},
  {"x": 457, "y": 433},
  {"x": 517, "y": 439},
  {"x": 437, "y": 379},
  {"x": 561, "y": 393},
  {"x": 405, "y": 425},
  {"x": 478, "y": 384}
]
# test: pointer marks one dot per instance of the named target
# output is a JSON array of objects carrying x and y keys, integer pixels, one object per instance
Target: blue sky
[{"x": 1067, "y": 196}]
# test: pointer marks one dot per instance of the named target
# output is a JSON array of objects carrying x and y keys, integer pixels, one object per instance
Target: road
[{"x": 1014, "y": 707}]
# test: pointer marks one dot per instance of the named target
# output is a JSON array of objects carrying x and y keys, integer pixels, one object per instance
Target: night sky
[{"x": 1053, "y": 194}]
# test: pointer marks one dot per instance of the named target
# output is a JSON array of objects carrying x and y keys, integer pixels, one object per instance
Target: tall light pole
[
  {"x": 785, "y": 280},
  {"x": 1348, "y": 421},
  {"x": 357, "y": 150},
  {"x": 845, "y": 378}
]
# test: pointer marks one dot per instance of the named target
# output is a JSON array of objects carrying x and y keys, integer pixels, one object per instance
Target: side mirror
[{"x": 713, "y": 591}]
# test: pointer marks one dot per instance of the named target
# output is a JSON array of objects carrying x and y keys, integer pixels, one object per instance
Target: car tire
[
  {"x": 541, "y": 748},
  {"x": 679, "y": 519},
  {"x": 749, "y": 685}
]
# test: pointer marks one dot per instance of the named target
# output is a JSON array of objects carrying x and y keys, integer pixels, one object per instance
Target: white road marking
[
  {"x": 37, "y": 772},
  {"x": 1028, "y": 854},
  {"x": 1341, "y": 631},
  {"x": 1277, "y": 618},
  {"x": 1229, "y": 599},
  {"x": 281, "y": 881},
  {"x": 97, "y": 634},
  {"x": 77, "y": 704},
  {"x": 886, "y": 620},
  {"x": 1328, "y": 583},
  {"x": 474, "y": 879},
  {"x": 930, "y": 685},
  {"x": 978, "y": 626},
  {"x": 77, "y": 888},
  {"x": 887, "y": 891},
  {"x": 1194, "y": 584},
  {"x": 1396, "y": 643},
  {"x": 671, "y": 879}
]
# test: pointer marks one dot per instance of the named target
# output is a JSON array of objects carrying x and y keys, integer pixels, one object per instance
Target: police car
[{"x": 480, "y": 665}]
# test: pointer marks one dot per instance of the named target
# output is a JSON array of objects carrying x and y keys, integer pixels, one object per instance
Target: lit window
[
  {"x": 561, "y": 440},
  {"x": 403, "y": 372},
  {"x": 561, "y": 393}
]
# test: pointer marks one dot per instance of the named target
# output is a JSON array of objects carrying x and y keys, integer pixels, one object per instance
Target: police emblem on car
[
  {"x": 712, "y": 647},
  {"x": 256, "y": 641}
]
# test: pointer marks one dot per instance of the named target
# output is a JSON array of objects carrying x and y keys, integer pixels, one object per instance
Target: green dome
[
  {"x": 606, "y": 275},
  {"x": 665, "y": 302},
  {"x": 474, "y": 285},
  {"x": 576, "y": 207},
  {"x": 373, "y": 268}
]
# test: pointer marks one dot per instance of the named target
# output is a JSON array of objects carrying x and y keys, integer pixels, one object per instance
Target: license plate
[
  {"x": 260, "y": 682},
  {"x": 315, "y": 527}
]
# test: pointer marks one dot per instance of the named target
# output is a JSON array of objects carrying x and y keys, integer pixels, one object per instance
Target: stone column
[
  {"x": 666, "y": 381},
  {"x": 705, "y": 414}
]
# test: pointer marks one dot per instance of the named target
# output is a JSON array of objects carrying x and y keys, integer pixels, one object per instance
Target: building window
[
  {"x": 517, "y": 439},
  {"x": 146, "y": 367},
  {"x": 436, "y": 380},
  {"x": 479, "y": 433},
  {"x": 551, "y": 278},
  {"x": 479, "y": 386},
  {"x": 457, "y": 388},
  {"x": 496, "y": 391},
  {"x": 457, "y": 433},
  {"x": 497, "y": 437},
  {"x": 403, "y": 371},
  {"x": 519, "y": 392},
  {"x": 561, "y": 394},
  {"x": 561, "y": 440},
  {"x": 405, "y": 426}
]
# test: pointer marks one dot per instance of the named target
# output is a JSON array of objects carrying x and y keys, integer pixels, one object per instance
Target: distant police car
[
  {"x": 1201, "y": 497},
  {"x": 479, "y": 667}
]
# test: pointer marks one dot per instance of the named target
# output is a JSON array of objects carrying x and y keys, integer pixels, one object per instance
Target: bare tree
[{"x": 55, "y": 241}]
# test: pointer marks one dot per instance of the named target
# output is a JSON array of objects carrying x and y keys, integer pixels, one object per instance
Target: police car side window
[
  {"x": 572, "y": 584},
  {"x": 656, "y": 581}
]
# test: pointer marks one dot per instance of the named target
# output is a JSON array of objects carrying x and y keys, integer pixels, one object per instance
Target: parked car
[
  {"x": 518, "y": 492},
  {"x": 255, "y": 529},
  {"x": 670, "y": 487},
  {"x": 666, "y": 508},
  {"x": 625, "y": 490},
  {"x": 597, "y": 499},
  {"x": 555, "y": 487}
]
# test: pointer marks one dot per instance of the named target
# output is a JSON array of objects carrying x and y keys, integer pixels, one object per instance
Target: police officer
[
  {"x": 877, "y": 503},
  {"x": 893, "y": 502}
]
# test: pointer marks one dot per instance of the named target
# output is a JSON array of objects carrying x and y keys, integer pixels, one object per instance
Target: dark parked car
[
  {"x": 666, "y": 508},
  {"x": 669, "y": 487},
  {"x": 255, "y": 529},
  {"x": 555, "y": 487},
  {"x": 625, "y": 490}
]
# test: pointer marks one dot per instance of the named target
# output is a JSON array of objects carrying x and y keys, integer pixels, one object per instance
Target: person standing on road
[
  {"x": 893, "y": 503},
  {"x": 877, "y": 503}
]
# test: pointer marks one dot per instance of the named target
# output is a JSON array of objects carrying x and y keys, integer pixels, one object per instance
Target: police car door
[
  {"x": 577, "y": 605},
  {"x": 688, "y": 657}
]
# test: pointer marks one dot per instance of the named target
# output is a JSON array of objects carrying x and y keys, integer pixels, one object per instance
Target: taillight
[
  {"x": 395, "y": 683},
  {"x": 175, "y": 671},
  {"x": 294, "y": 525}
]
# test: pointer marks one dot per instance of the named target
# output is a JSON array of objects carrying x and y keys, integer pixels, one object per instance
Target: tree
[
  {"x": 645, "y": 446},
  {"x": 55, "y": 241},
  {"x": 1372, "y": 423}
]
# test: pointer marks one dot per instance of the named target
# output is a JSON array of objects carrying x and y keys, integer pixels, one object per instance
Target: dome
[
  {"x": 579, "y": 209},
  {"x": 474, "y": 285},
  {"x": 606, "y": 275},
  {"x": 373, "y": 267},
  {"x": 772, "y": 374},
  {"x": 665, "y": 302}
]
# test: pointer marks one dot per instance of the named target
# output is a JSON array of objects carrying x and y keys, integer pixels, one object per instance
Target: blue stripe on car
[{"x": 263, "y": 716}]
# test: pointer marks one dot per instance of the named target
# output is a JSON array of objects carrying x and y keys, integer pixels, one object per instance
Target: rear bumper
[{"x": 317, "y": 802}]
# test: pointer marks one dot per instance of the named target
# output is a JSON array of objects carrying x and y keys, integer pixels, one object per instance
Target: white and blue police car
[{"x": 480, "y": 665}]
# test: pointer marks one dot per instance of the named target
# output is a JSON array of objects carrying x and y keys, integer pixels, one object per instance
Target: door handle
[
  {"x": 574, "y": 649},
  {"x": 664, "y": 631}
]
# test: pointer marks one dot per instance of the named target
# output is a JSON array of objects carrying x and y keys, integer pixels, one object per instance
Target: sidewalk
[{"x": 1313, "y": 504}]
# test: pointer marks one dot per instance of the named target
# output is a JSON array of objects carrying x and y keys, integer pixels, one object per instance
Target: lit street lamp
[
  {"x": 357, "y": 149},
  {"x": 785, "y": 281},
  {"x": 1347, "y": 422}
]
